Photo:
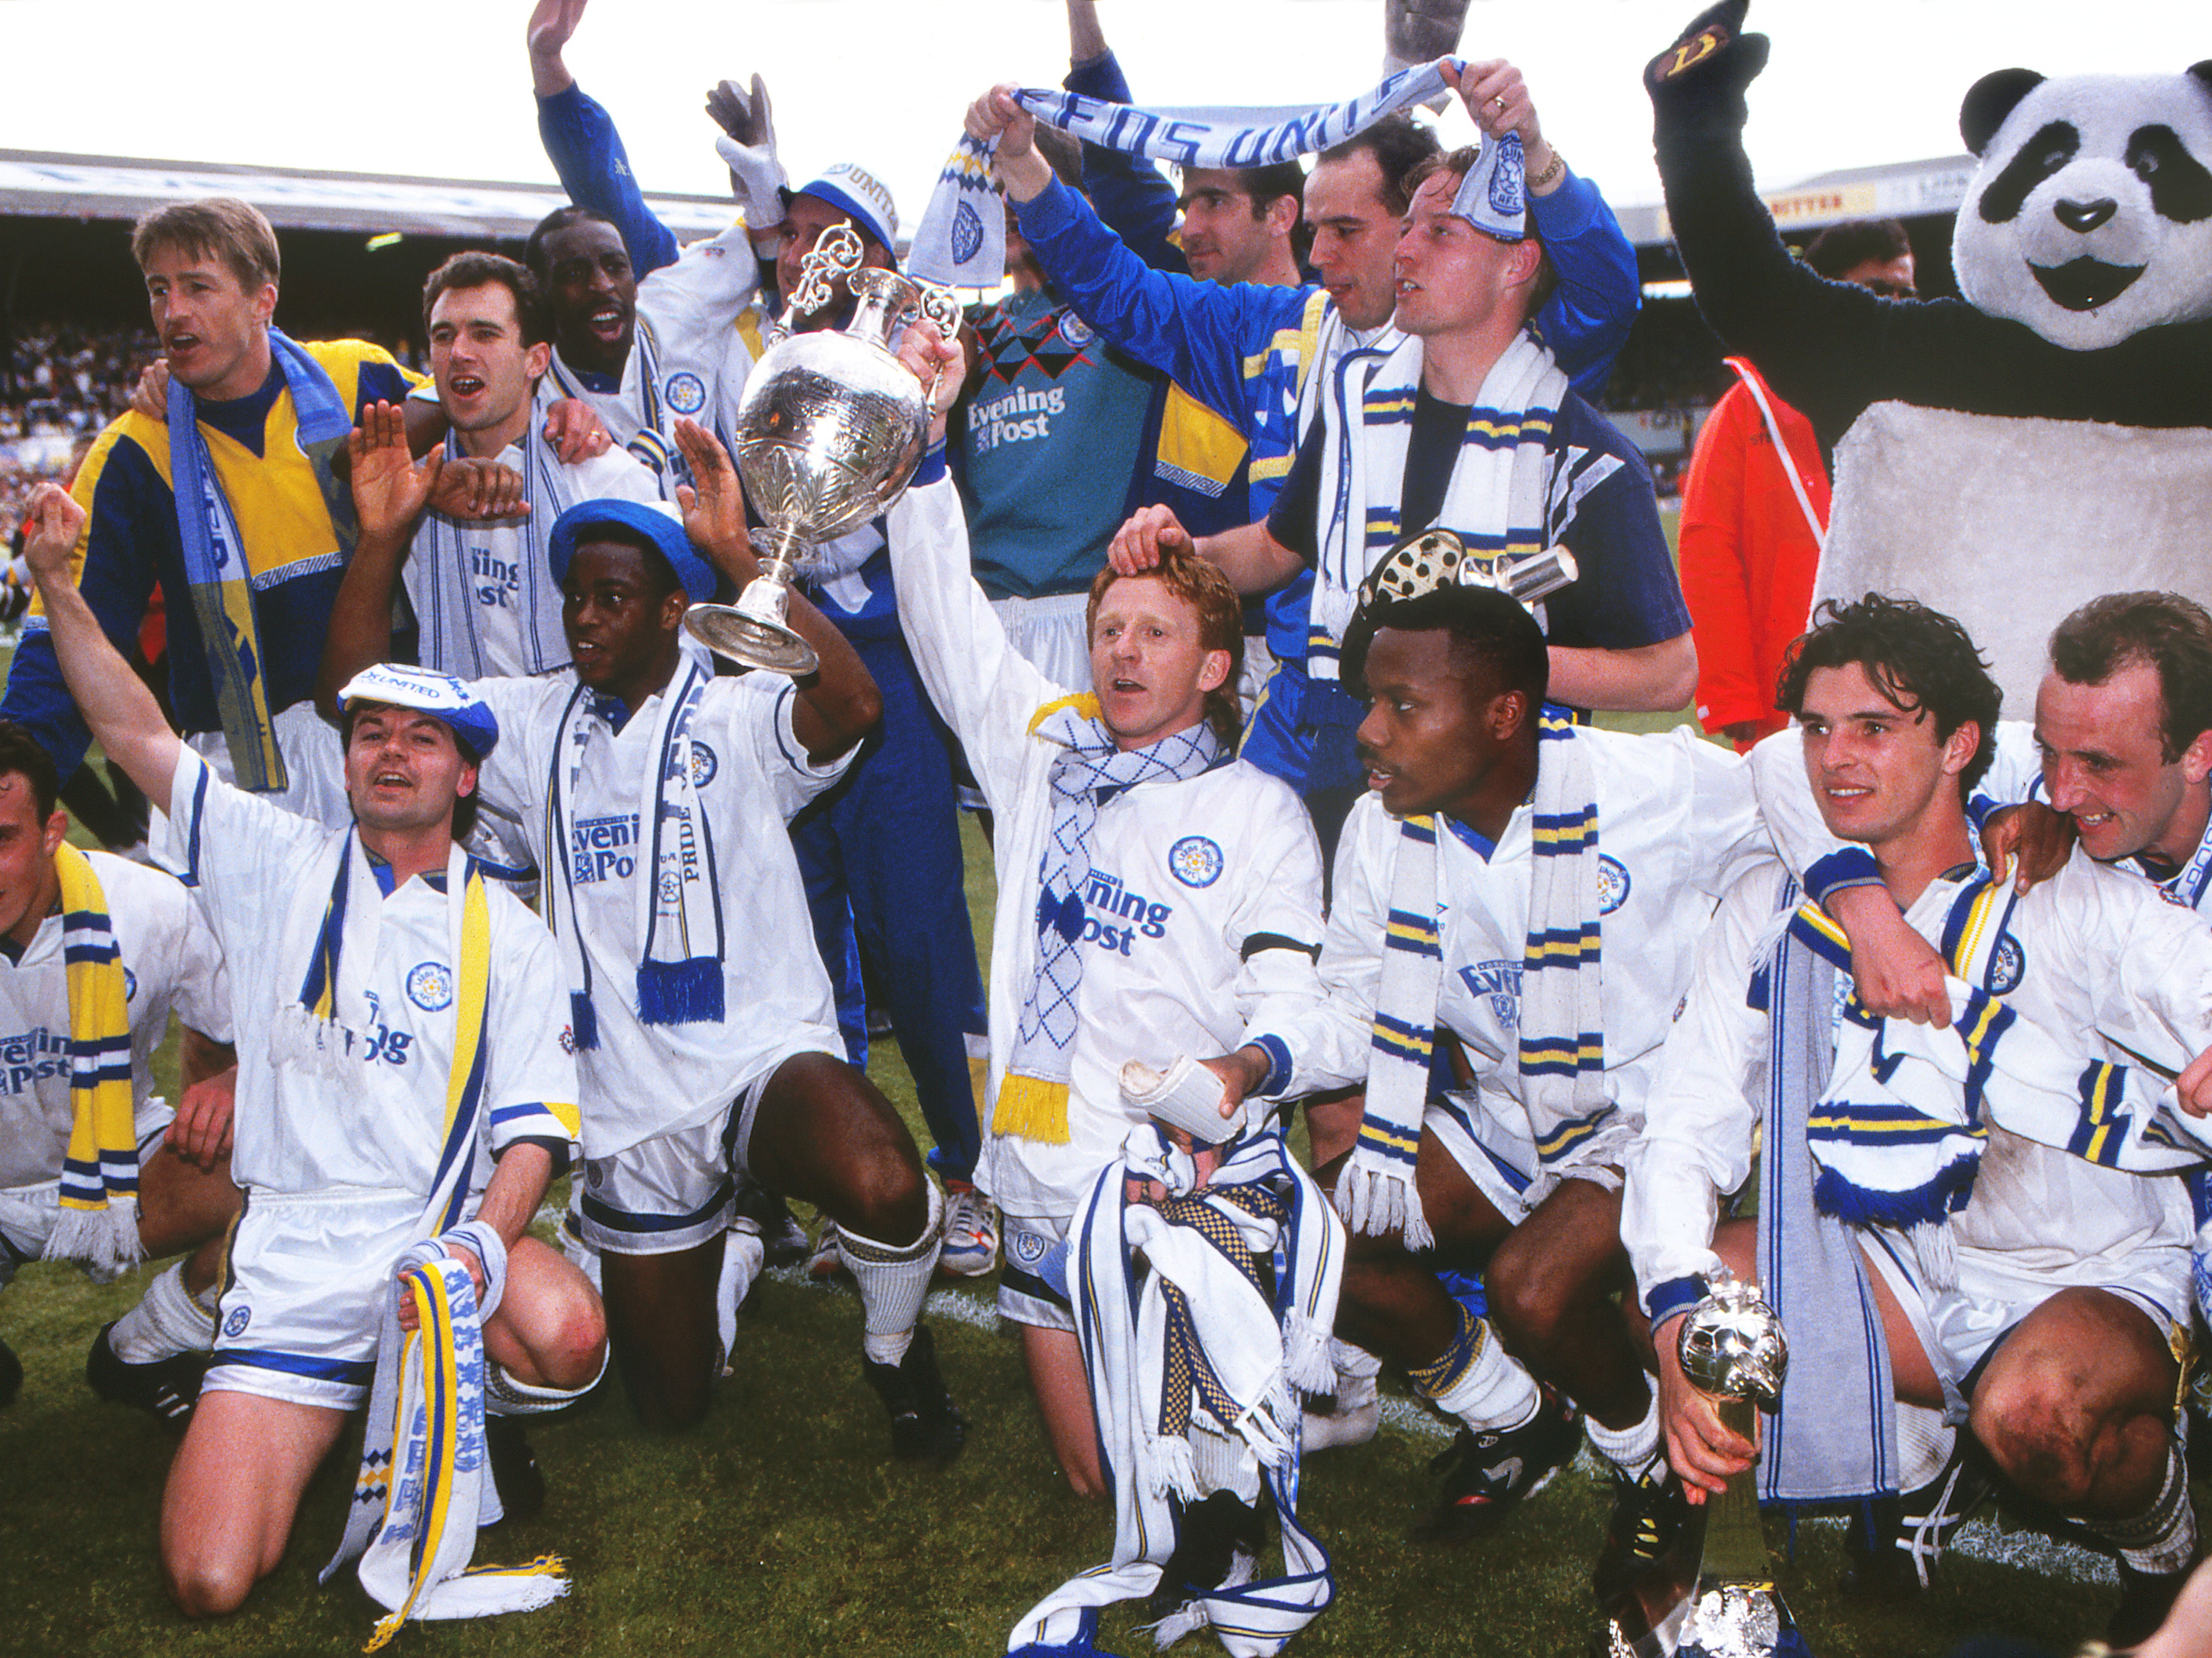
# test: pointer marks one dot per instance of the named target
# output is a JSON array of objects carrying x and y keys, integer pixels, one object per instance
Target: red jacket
[{"x": 1747, "y": 555}]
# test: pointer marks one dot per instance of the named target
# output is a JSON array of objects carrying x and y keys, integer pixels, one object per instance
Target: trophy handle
[
  {"x": 941, "y": 306},
  {"x": 837, "y": 252}
]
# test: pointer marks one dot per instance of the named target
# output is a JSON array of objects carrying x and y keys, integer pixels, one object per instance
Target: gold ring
[{"x": 1499, "y": 101}]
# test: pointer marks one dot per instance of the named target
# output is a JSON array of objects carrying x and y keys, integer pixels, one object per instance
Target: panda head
[{"x": 2090, "y": 217}]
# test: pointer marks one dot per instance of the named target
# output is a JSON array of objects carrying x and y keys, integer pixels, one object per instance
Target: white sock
[
  {"x": 2163, "y": 1537},
  {"x": 744, "y": 1254},
  {"x": 893, "y": 1280},
  {"x": 1479, "y": 1382},
  {"x": 507, "y": 1396},
  {"x": 1356, "y": 1371},
  {"x": 1631, "y": 1450},
  {"x": 166, "y": 1321},
  {"x": 1924, "y": 1443}
]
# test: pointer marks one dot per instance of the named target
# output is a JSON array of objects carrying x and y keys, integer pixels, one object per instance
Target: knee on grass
[
  {"x": 2041, "y": 1436},
  {"x": 203, "y": 1586}
]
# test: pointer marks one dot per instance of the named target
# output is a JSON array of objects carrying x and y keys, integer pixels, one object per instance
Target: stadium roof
[
  {"x": 47, "y": 186},
  {"x": 44, "y": 184},
  {"x": 1901, "y": 190}
]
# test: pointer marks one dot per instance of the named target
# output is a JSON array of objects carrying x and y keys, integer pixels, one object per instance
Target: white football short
[
  {"x": 27, "y": 1212},
  {"x": 1050, "y": 634},
  {"x": 1959, "y": 1327},
  {"x": 1025, "y": 1297},
  {"x": 677, "y": 1191},
  {"x": 310, "y": 1275}
]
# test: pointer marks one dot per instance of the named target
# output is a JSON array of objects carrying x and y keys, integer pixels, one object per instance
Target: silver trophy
[
  {"x": 1712, "y": 1594},
  {"x": 830, "y": 430},
  {"x": 1437, "y": 558}
]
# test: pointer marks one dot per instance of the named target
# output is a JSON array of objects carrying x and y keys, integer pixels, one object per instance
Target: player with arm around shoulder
[{"x": 1984, "y": 1304}]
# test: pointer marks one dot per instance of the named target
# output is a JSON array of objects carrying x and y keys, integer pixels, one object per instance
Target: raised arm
[
  {"x": 1586, "y": 319},
  {"x": 838, "y": 704},
  {"x": 581, "y": 143},
  {"x": 121, "y": 712},
  {"x": 1132, "y": 195},
  {"x": 1199, "y": 332},
  {"x": 390, "y": 490},
  {"x": 1819, "y": 343}
]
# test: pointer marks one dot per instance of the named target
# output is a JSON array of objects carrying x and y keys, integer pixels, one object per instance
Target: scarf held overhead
[
  {"x": 1090, "y": 770},
  {"x": 961, "y": 238}
]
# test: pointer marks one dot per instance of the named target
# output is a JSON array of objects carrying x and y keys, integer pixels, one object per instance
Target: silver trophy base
[{"x": 749, "y": 641}]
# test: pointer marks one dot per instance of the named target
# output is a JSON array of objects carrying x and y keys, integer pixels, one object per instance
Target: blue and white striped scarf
[
  {"x": 1833, "y": 1435},
  {"x": 217, "y": 567},
  {"x": 424, "y": 1486},
  {"x": 1896, "y": 1135},
  {"x": 1090, "y": 769},
  {"x": 1497, "y": 501},
  {"x": 449, "y": 613},
  {"x": 1562, "y": 1020},
  {"x": 1202, "y": 1321},
  {"x": 683, "y": 937},
  {"x": 961, "y": 238}
]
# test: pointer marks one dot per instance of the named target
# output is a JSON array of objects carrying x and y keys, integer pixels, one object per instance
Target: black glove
[{"x": 1706, "y": 69}]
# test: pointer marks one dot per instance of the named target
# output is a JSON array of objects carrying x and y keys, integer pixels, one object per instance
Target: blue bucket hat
[{"x": 654, "y": 520}]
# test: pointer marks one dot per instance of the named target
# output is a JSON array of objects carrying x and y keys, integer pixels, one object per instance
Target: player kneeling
[
  {"x": 404, "y": 1081},
  {"x": 659, "y": 794},
  {"x": 1158, "y": 896}
]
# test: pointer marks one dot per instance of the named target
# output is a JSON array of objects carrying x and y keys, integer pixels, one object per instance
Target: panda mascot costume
[{"x": 2006, "y": 456}]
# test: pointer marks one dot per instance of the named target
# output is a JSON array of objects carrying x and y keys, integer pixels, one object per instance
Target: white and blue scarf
[
  {"x": 654, "y": 446},
  {"x": 1571, "y": 1120},
  {"x": 1497, "y": 501},
  {"x": 961, "y": 238},
  {"x": 1897, "y": 1135},
  {"x": 215, "y": 558},
  {"x": 448, "y": 612},
  {"x": 1883, "y": 1123},
  {"x": 681, "y": 928},
  {"x": 1833, "y": 1434},
  {"x": 424, "y": 1486},
  {"x": 322, "y": 1033},
  {"x": 1202, "y": 1321},
  {"x": 1090, "y": 770}
]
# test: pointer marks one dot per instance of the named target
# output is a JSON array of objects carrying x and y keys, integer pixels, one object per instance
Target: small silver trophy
[
  {"x": 1437, "y": 558},
  {"x": 1732, "y": 1351},
  {"x": 829, "y": 431},
  {"x": 1710, "y": 1594}
]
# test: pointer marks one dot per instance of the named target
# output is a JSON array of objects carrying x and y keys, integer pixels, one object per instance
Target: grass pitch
[{"x": 780, "y": 1529}]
